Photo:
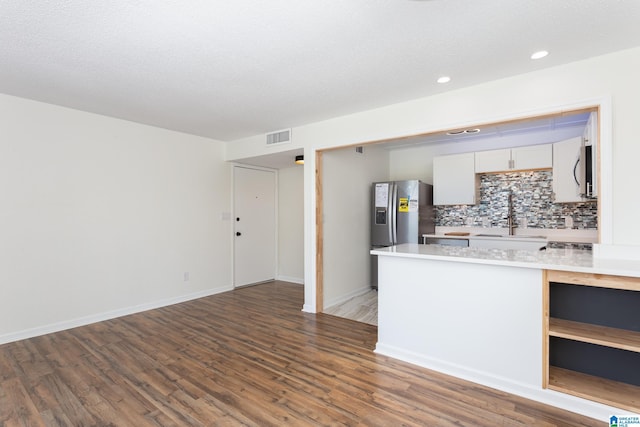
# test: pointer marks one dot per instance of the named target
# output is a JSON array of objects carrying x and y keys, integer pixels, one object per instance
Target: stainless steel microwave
[{"x": 587, "y": 176}]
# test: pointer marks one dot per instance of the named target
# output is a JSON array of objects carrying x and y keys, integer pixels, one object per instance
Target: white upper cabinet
[
  {"x": 532, "y": 157},
  {"x": 493, "y": 161},
  {"x": 566, "y": 158},
  {"x": 510, "y": 159},
  {"x": 454, "y": 180}
]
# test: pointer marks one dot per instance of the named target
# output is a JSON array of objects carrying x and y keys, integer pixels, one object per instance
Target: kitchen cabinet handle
[{"x": 238, "y": 233}]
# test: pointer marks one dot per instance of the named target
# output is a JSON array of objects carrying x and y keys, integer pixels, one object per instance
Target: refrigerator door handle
[{"x": 394, "y": 216}]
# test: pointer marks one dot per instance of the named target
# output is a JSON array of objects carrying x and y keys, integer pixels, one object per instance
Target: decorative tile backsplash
[{"x": 533, "y": 205}]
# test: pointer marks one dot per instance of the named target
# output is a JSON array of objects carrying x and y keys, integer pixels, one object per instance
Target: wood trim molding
[
  {"x": 590, "y": 279},
  {"x": 319, "y": 236},
  {"x": 545, "y": 329},
  {"x": 599, "y": 170}
]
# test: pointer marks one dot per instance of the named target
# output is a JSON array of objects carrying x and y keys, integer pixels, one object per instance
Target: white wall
[
  {"x": 347, "y": 178},
  {"x": 101, "y": 217},
  {"x": 612, "y": 78},
  {"x": 291, "y": 224}
]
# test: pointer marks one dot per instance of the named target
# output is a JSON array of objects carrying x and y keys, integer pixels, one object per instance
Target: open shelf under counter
[
  {"x": 594, "y": 388},
  {"x": 582, "y": 357},
  {"x": 595, "y": 334}
]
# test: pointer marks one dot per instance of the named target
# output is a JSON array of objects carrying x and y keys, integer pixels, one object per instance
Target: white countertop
[{"x": 551, "y": 259}]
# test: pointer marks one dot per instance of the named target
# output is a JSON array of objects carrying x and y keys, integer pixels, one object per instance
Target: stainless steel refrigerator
[{"x": 401, "y": 212}]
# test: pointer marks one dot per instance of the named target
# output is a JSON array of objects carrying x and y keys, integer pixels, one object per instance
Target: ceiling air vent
[{"x": 279, "y": 137}]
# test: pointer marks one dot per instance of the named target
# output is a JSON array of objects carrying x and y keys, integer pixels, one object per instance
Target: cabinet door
[
  {"x": 492, "y": 161},
  {"x": 566, "y": 155},
  {"x": 454, "y": 180},
  {"x": 520, "y": 158},
  {"x": 532, "y": 157}
]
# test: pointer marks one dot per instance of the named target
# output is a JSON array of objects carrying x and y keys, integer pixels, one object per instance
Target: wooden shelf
[
  {"x": 608, "y": 392},
  {"x": 598, "y": 280},
  {"x": 595, "y": 334},
  {"x": 599, "y": 389}
]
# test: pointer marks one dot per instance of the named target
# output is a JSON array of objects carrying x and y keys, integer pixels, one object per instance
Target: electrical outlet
[{"x": 186, "y": 276}]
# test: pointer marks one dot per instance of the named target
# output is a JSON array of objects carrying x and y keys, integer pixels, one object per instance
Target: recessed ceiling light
[
  {"x": 444, "y": 79},
  {"x": 539, "y": 54},
  {"x": 462, "y": 131}
]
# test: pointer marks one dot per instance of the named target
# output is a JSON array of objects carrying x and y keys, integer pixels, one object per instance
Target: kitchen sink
[{"x": 511, "y": 237}]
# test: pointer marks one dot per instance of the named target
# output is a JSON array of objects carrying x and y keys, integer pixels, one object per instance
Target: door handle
[{"x": 238, "y": 233}]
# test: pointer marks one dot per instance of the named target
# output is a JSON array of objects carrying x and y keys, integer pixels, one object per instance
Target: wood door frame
[
  {"x": 319, "y": 236},
  {"x": 233, "y": 216}
]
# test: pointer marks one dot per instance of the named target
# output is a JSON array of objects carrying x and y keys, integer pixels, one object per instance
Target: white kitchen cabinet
[
  {"x": 532, "y": 157},
  {"x": 511, "y": 159},
  {"x": 493, "y": 160},
  {"x": 454, "y": 180},
  {"x": 566, "y": 155}
]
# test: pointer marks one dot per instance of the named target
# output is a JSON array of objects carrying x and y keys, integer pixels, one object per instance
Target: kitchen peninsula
[{"x": 504, "y": 318}]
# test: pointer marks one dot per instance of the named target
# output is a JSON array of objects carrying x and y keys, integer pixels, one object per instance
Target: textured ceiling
[{"x": 231, "y": 69}]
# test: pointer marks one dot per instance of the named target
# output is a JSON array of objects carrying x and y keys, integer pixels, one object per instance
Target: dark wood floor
[{"x": 245, "y": 357}]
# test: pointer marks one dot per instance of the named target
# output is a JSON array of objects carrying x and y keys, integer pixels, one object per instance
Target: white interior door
[{"x": 254, "y": 207}]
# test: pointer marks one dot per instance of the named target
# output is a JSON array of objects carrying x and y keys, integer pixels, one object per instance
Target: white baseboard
[
  {"x": 298, "y": 280},
  {"x": 308, "y": 308},
  {"x": 346, "y": 297},
  {"x": 86, "y": 320},
  {"x": 549, "y": 397}
]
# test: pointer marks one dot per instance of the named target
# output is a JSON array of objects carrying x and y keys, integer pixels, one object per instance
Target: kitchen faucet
[{"x": 510, "y": 222}]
